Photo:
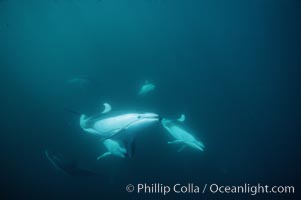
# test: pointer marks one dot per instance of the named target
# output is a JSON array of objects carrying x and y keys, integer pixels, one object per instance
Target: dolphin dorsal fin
[
  {"x": 107, "y": 108},
  {"x": 182, "y": 118},
  {"x": 82, "y": 121}
]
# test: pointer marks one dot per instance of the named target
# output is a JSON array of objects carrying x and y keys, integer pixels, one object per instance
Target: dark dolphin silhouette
[{"x": 67, "y": 166}]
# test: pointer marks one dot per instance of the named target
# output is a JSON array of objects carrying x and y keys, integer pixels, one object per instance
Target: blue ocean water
[{"x": 232, "y": 67}]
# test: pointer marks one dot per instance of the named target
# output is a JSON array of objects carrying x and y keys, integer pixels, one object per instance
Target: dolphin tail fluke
[{"x": 103, "y": 155}]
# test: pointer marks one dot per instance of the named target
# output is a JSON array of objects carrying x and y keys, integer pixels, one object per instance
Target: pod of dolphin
[{"x": 118, "y": 132}]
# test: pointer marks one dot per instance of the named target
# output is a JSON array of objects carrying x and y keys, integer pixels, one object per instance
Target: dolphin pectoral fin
[
  {"x": 112, "y": 134},
  {"x": 90, "y": 130},
  {"x": 175, "y": 142},
  {"x": 107, "y": 108},
  {"x": 104, "y": 155},
  {"x": 182, "y": 148}
]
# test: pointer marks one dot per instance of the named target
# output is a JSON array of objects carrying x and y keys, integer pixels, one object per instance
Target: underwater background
[{"x": 232, "y": 67}]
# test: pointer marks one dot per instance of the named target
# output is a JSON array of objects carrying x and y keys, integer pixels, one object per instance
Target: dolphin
[
  {"x": 122, "y": 127},
  {"x": 67, "y": 166},
  {"x": 146, "y": 88},
  {"x": 82, "y": 82},
  {"x": 180, "y": 135},
  {"x": 114, "y": 148},
  {"x": 107, "y": 125}
]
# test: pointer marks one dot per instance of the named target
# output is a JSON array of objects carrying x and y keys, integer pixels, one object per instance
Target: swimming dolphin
[
  {"x": 107, "y": 126},
  {"x": 81, "y": 82},
  {"x": 114, "y": 148},
  {"x": 180, "y": 135},
  {"x": 119, "y": 127},
  {"x": 67, "y": 166},
  {"x": 146, "y": 88}
]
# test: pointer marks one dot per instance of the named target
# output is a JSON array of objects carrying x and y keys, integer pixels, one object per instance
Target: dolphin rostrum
[{"x": 180, "y": 135}]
